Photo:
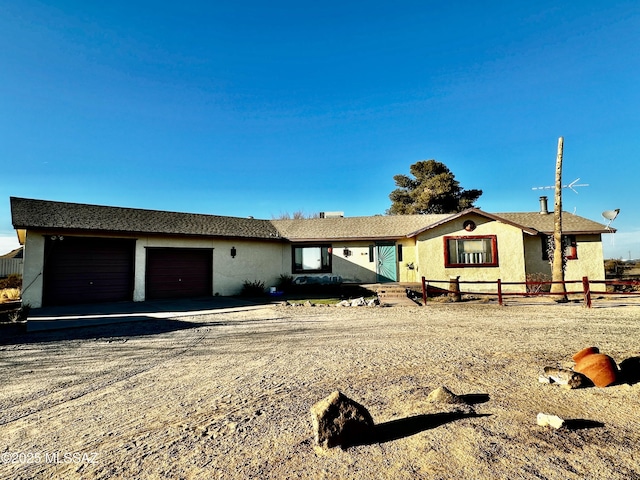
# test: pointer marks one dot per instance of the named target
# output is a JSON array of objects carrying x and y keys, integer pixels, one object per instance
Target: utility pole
[{"x": 557, "y": 270}]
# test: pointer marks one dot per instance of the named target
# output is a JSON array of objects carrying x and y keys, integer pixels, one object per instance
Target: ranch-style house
[{"x": 78, "y": 253}]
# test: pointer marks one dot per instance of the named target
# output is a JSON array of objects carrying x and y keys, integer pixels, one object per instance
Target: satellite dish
[{"x": 610, "y": 215}]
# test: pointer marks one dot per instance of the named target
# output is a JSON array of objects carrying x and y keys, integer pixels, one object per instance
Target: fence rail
[
  {"x": 585, "y": 288},
  {"x": 9, "y": 266}
]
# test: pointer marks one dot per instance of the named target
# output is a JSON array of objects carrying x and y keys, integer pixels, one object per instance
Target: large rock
[{"x": 339, "y": 421}]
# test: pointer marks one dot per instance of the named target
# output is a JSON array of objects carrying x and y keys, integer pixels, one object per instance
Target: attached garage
[
  {"x": 87, "y": 270},
  {"x": 178, "y": 272}
]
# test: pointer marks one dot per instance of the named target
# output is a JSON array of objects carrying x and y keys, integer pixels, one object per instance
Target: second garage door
[{"x": 178, "y": 272}]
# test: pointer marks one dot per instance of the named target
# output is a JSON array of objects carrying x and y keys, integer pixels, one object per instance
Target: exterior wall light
[
  {"x": 346, "y": 252},
  {"x": 233, "y": 252}
]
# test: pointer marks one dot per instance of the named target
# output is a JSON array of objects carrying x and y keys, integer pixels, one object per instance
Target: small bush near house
[
  {"x": 12, "y": 281},
  {"x": 285, "y": 282},
  {"x": 538, "y": 277},
  {"x": 252, "y": 289},
  {"x": 19, "y": 314}
]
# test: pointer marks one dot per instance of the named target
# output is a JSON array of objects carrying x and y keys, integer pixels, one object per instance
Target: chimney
[
  {"x": 544, "y": 210},
  {"x": 331, "y": 214}
]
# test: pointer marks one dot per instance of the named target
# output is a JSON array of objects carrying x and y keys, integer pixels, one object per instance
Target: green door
[{"x": 386, "y": 263}]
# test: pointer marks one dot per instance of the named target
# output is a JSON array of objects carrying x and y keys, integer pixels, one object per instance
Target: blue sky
[{"x": 259, "y": 108}]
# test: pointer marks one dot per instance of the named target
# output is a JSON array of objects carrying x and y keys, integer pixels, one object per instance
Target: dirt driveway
[{"x": 228, "y": 395}]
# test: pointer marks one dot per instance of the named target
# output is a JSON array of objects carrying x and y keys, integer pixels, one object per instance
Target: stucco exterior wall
[
  {"x": 261, "y": 261},
  {"x": 355, "y": 268},
  {"x": 590, "y": 261},
  {"x": 510, "y": 247},
  {"x": 32, "y": 271},
  {"x": 535, "y": 265},
  {"x": 409, "y": 257}
]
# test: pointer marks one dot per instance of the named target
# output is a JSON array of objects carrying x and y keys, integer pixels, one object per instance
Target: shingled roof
[
  {"x": 42, "y": 214},
  {"x": 378, "y": 227},
  {"x": 543, "y": 223}
]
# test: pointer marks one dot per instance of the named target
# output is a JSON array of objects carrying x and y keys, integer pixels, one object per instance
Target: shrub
[
  {"x": 538, "y": 277},
  {"x": 285, "y": 282},
  {"x": 20, "y": 314},
  {"x": 14, "y": 280},
  {"x": 252, "y": 289}
]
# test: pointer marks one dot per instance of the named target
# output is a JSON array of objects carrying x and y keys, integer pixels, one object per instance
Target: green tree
[{"x": 433, "y": 189}]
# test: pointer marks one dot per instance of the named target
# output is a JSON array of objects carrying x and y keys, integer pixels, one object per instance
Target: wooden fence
[
  {"x": 9, "y": 266},
  {"x": 572, "y": 287}
]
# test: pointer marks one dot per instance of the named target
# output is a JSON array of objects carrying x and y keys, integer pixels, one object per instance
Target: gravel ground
[{"x": 228, "y": 395}]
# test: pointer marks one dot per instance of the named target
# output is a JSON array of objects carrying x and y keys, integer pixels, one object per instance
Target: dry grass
[
  {"x": 228, "y": 395},
  {"x": 9, "y": 295}
]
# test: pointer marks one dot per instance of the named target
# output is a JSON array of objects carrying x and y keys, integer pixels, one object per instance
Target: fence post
[
  {"x": 587, "y": 292},
  {"x": 424, "y": 292},
  {"x": 454, "y": 288},
  {"x": 499, "y": 292}
]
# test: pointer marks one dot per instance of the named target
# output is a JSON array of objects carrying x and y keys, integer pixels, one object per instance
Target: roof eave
[
  {"x": 344, "y": 239},
  {"x": 133, "y": 233},
  {"x": 441, "y": 222},
  {"x": 477, "y": 211},
  {"x": 582, "y": 232}
]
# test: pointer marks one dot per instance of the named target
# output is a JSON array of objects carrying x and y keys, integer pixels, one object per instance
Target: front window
[
  {"x": 312, "y": 258},
  {"x": 473, "y": 251}
]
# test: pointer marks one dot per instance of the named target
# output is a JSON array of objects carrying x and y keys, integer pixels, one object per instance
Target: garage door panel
[
  {"x": 178, "y": 272},
  {"x": 88, "y": 270}
]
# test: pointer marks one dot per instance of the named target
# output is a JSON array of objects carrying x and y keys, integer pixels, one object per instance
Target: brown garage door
[
  {"x": 87, "y": 270},
  {"x": 178, "y": 272}
]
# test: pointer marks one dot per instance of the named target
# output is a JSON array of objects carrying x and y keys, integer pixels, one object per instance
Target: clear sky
[{"x": 256, "y": 108}]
